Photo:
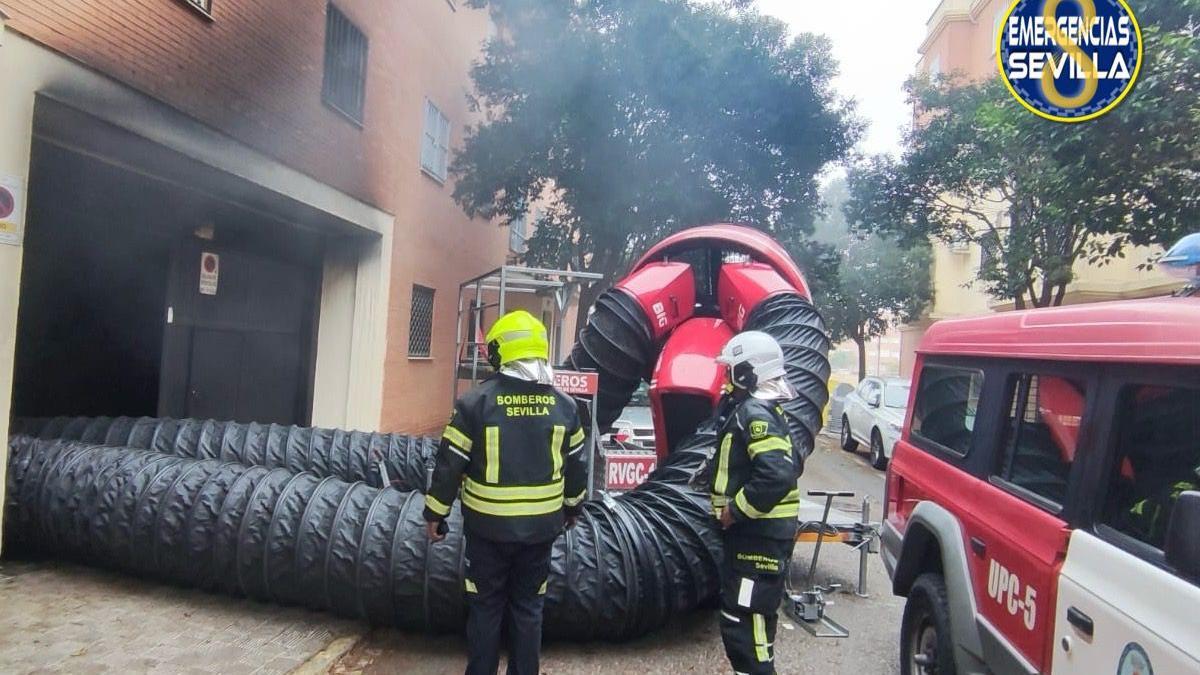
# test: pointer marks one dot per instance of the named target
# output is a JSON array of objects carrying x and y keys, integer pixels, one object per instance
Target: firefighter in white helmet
[{"x": 755, "y": 497}]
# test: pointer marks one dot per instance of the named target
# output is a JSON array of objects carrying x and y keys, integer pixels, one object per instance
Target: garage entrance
[{"x": 117, "y": 318}]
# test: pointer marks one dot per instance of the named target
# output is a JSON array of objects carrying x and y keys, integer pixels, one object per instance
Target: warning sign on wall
[
  {"x": 12, "y": 210},
  {"x": 210, "y": 273}
]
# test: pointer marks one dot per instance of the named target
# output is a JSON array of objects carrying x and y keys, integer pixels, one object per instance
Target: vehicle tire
[
  {"x": 926, "y": 645},
  {"x": 878, "y": 459},
  {"x": 848, "y": 442}
]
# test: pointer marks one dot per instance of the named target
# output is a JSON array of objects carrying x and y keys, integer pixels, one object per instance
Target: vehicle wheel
[
  {"x": 926, "y": 645},
  {"x": 878, "y": 459},
  {"x": 848, "y": 442}
]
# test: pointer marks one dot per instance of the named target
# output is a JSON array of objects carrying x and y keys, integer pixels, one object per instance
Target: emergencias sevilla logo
[{"x": 1069, "y": 60}]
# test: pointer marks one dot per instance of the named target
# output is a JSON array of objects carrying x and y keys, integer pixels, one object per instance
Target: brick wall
[{"x": 254, "y": 71}]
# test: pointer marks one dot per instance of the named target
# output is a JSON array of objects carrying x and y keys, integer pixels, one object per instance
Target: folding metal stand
[
  {"x": 491, "y": 291},
  {"x": 807, "y": 607}
]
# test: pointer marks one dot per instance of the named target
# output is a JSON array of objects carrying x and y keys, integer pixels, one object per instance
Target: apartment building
[
  {"x": 236, "y": 209},
  {"x": 961, "y": 39}
]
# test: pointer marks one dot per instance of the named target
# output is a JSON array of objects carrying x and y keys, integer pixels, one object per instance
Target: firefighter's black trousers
[
  {"x": 505, "y": 581},
  {"x": 753, "y": 571}
]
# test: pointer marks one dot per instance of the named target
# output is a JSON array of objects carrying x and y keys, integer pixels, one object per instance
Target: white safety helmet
[{"x": 753, "y": 357}]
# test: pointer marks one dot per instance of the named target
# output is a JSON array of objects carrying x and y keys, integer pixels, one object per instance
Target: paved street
[
  {"x": 693, "y": 644},
  {"x": 60, "y": 617}
]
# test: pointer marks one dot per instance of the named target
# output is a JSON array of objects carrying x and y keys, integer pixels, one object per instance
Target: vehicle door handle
[
  {"x": 978, "y": 546},
  {"x": 1081, "y": 621}
]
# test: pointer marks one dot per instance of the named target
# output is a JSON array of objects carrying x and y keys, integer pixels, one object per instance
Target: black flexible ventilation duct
[
  {"x": 294, "y": 515},
  {"x": 376, "y": 459},
  {"x": 618, "y": 343},
  {"x": 631, "y": 563},
  {"x": 797, "y": 326}
]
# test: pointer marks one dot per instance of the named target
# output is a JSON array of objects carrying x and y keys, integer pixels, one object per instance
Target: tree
[
  {"x": 879, "y": 285},
  {"x": 863, "y": 283},
  {"x": 1040, "y": 196},
  {"x": 635, "y": 118}
]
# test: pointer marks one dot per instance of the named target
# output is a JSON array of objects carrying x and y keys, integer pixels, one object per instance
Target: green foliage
[
  {"x": 1039, "y": 196},
  {"x": 864, "y": 283},
  {"x": 643, "y": 117}
]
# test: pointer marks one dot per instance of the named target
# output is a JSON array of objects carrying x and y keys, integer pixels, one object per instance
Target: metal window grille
[
  {"x": 345, "y": 83},
  {"x": 517, "y": 234},
  {"x": 420, "y": 322},
  {"x": 435, "y": 142}
]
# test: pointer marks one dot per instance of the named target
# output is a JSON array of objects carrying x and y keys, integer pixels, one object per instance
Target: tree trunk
[
  {"x": 587, "y": 297},
  {"x": 862, "y": 357},
  {"x": 1059, "y": 294}
]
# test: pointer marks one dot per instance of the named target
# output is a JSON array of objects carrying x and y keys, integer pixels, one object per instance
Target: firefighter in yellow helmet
[{"x": 515, "y": 446}]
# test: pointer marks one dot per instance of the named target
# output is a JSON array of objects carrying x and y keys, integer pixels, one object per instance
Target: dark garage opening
[{"x": 112, "y": 318}]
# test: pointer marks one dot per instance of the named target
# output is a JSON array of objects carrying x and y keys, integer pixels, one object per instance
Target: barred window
[
  {"x": 435, "y": 142},
  {"x": 518, "y": 234},
  {"x": 420, "y": 322},
  {"x": 345, "y": 82}
]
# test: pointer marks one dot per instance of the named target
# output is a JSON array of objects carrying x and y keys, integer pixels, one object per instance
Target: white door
[
  {"x": 1144, "y": 620},
  {"x": 860, "y": 413},
  {"x": 1123, "y": 607}
]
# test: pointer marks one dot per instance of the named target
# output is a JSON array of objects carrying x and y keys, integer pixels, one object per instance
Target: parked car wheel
[
  {"x": 879, "y": 460},
  {"x": 848, "y": 442},
  {"x": 926, "y": 646}
]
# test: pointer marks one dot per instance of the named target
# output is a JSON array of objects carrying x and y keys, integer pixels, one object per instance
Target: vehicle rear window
[
  {"x": 895, "y": 395},
  {"x": 946, "y": 405},
  {"x": 1158, "y": 457},
  {"x": 1041, "y": 434}
]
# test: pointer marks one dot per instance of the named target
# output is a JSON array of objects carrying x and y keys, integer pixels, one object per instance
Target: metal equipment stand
[
  {"x": 807, "y": 607},
  {"x": 491, "y": 291}
]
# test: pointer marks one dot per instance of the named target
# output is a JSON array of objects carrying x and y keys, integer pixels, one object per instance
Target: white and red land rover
[{"x": 1043, "y": 503}]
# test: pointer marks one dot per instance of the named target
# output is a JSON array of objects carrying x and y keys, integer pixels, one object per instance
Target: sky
[{"x": 875, "y": 42}]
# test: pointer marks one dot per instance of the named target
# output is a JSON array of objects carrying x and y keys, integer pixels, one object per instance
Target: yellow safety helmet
[{"x": 517, "y": 335}]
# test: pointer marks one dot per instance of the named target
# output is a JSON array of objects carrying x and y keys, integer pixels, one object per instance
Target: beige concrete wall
[
  {"x": 956, "y": 291},
  {"x": 352, "y": 336},
  {"x": 16, "y": 125}
]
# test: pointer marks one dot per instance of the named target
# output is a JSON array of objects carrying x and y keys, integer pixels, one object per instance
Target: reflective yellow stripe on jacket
[
  {"x": 457, "y": 438},
  {"x": 436, "y": 506},
  {"x": 556, "y": 450},
  {"x": 518, "y": 500},
  {"x": 788, "y": 507},
  {"x": 492, "y": 449},
  {"x": 721, "y": 483},
  {"x": 767, "y": 444}
]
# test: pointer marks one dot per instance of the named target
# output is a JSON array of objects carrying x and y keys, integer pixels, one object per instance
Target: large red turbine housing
[{"x": 687, "y": 381}]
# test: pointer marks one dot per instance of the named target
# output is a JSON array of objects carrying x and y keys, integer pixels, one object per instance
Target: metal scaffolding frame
[{"x": 560, "y": 285}]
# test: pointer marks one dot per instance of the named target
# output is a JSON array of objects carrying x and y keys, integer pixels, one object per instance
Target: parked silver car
[
  {"x": 874, "y": 414},
  {"x": 634, "y": 429}
]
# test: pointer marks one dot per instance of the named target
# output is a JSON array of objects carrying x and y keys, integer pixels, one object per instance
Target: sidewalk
[{"x": 69, "y": 618}]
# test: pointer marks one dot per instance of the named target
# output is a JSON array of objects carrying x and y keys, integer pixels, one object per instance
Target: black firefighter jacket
[
  {"x": 756, "y": 471},
  {"x": 516, "y": 449}
]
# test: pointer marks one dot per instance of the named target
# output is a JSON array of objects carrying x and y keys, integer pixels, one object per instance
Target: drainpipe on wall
[{"x": 3, "y": 22}]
